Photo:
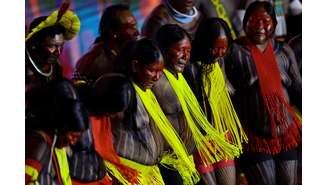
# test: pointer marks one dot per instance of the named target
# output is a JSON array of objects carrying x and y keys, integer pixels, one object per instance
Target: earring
[{"x": 115, "y": 36}]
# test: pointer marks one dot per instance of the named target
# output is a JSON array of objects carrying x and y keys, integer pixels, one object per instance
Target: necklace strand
[
  {"x": 36, "y": 68},
  {"x": 195, "y": 12}
]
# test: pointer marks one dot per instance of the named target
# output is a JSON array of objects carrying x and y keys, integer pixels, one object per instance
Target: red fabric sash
[
  {"x": 102, "y": 135},
  {"x": 271, "y": 88}
]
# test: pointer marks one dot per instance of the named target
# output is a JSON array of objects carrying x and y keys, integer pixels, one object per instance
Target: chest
[{"x": 166, "y": 96}]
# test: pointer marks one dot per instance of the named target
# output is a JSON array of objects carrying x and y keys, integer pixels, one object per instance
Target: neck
[
  {"x": 44, "y": 69},
  {"x": 48, "y": 136},
  {"x": 113, "y": 45},
  {"x": 173, "y": 72},
  {"x": 262, "y": 47},
  {"x": 133, "y": 79}
]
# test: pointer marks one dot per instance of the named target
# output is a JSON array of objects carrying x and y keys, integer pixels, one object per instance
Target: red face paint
[
  {"x": 220, "y": 47},
  {"x": 147, "y": 75},
  {"x": 259, "y": 27},
  {"x": 178, "y": 55}
]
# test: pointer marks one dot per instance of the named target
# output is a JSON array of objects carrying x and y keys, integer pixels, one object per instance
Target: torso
[
  {"x": 96, "y": 62},
  {"x": 245, "y": 80},
  {"x": 37, "y": 148},
  {"x": 171, "y": 107},
  {"x": 137, "y": 139}
]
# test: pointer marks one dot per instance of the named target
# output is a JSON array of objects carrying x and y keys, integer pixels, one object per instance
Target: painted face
[
  {"x": 220, "y": 47},
  {"x": 52, "y": 48},
  {"x": 178, "y": 55},
  {"x": 69, "y": 138},
  {"x": 259, "y": 27},
  {"x": 147, "y": 75},
  {"x": 128, "y": 29},
  {"x": 183, "y": 6}
]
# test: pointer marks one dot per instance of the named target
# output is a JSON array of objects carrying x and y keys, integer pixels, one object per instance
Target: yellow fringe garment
[
  {"x": 212, "y": 147},
  {"x": 170, "y": 161},
  {"x": 63, "y": 166},
  {"x": 224, "y": 114},
  {"x": 186, "y": 165},
  {"x": 147, "y": 174}
]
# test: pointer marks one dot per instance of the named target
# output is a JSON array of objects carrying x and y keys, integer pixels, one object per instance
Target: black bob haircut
[
  {"x": 169, "y": 34},
  {"x": 208, "y": 30},
  {"x": 144, "y": 50}
]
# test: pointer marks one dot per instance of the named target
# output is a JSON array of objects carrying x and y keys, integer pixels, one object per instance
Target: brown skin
[
  {"x": 147, "y": 75},
  {"x": 183, "y": 6},
  {"x": 226, "y": 175},
  {"x": 178, "y": 55},
  {"x": 259, "y": 28},
  {"x": 220, "y": 47},
  {"x": 94, "y": 63},
  {"x": 68, "y": 138},
  {"x": 48, "y": 52},
  {"x": 128, "y": 29}
]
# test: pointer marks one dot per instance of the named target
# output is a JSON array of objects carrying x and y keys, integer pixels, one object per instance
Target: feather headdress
[{"x": 64, "y": 17}]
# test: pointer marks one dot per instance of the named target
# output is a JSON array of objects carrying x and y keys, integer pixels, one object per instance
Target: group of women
[{"x": 177, "y": 108}]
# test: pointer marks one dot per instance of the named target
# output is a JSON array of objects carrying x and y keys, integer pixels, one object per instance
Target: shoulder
[
  {"x": 160, "y": 84},
  {"x": 239, "y": 52},
  {"x": 158, "y": 17},
  {"x": 159, "y": 12},
  {"x": 282, "y": 48},
  {"x": 87, "y": 60},
  {"x": 36, "y": 147}
]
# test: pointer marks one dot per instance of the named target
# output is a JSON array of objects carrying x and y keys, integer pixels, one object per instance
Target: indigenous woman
[
  {"x": 140, "y": 131},
  {"x": 265, "y": 75},
  {"x": 181, "y": 106},
  {"x": 57, "y": 121},
  {"x": 207, "y": 77}
]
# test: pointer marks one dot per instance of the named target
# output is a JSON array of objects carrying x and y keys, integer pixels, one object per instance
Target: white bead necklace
[
  {"x": 36, "y": 68},
  {"x": 195, "y": 12}
]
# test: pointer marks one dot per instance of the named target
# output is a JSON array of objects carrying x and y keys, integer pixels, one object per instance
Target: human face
[
  {"x": 220, "y": 48},
  {"x": 147, "y": 75},
  {"x": 68, "y": 138},
  {"x": 128, "y": 28},
  {"x": 52, "y": 47},
  {"x": 183, "y": 6},
  {"x": 178, "y": 55},
  {"x": 259, "y": 27}
]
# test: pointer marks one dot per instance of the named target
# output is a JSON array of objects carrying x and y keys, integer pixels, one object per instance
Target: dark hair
[
  {"x": 170, "y": 34},
  {"x": 110, "y": 20},
  {"x": 106, "y": 91},
  {"x": 208, "y": 30},
  {"x": 144, "y": 50},
  {"x": 40, "y": 36},
  {"x": 56, "y": 107},
  {"x": 71, "y": 115},
  {"x": 260, "y": 4}
]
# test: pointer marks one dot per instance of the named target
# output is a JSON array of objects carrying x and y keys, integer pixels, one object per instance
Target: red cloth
[
  {"x": 102, "y": 136},
  {"x": 201, "y": 168},
  {"x": 276, "y": 104},
  {"x": 271, "y": 88},
  {"x": 33, "y": 163}
]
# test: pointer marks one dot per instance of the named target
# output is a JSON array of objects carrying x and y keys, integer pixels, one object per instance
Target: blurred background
[{"x": 89, "y": 12}]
